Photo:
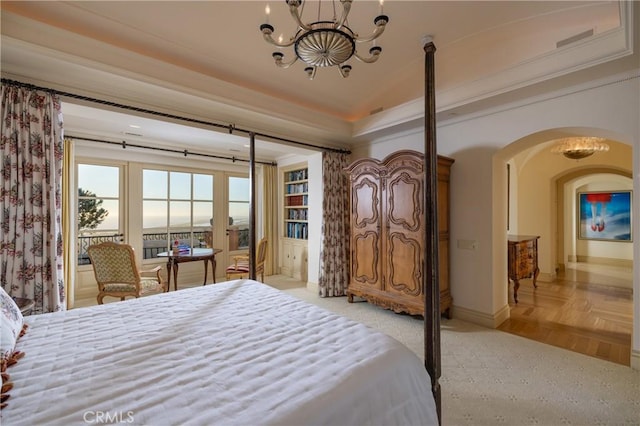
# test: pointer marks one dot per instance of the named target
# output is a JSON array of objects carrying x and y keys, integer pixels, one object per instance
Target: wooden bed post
[
  {"x": 431, "y": 274},
  {"x": 252, "y": 206}
]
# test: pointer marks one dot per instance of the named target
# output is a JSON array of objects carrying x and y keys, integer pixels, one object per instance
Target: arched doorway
[{"x": 530, "y": 198}]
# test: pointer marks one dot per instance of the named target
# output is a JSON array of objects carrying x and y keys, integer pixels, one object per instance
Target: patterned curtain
[
  {"x": 31, "y": 237},
  {"x": 334, "y": 252}
]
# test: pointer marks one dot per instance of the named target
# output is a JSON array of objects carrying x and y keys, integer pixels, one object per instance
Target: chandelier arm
[
  {"x": 266, "y": 34},
  {"x": 277, "y": 56},
  {"x": 381, "y": 24},
  {"x": 295, "y": 13},
  {"x": 346, "y": 8},
  {"x": 374, "y": 52}
]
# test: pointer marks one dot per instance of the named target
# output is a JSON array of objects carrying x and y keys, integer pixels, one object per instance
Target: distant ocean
[{"x": 109, "y": 227}]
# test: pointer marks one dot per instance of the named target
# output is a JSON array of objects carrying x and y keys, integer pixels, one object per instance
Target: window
[
  {"x": 98, "y": 207},
  {"x": 176, "y": 207}
]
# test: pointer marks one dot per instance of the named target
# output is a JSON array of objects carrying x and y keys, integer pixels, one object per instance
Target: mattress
[{"x": 233, "y": 353}]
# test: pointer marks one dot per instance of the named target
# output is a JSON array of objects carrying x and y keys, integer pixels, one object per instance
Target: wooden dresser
[
  {"x": 387, "y": 231},
  {"x": 522, "y": 260}
]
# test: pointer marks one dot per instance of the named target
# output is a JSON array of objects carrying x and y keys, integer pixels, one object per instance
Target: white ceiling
[{"x": 213, "y": 50}]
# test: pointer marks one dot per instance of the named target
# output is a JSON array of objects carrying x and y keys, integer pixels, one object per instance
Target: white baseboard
[
  {"x": 312, "y": 287},
  {"x": 635, "y": 360},
  {"x": 481, "y": 318},
  {"x": 626, "y": 263}
]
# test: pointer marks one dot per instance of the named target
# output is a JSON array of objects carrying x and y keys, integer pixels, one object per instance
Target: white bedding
[{"x": 233, "y": 353}]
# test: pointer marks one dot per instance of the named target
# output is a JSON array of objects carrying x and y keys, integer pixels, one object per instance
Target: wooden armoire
[{"x": 387, "y": 231}]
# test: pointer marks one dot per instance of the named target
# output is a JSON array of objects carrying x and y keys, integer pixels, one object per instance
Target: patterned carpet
[{"x": 494, "y": 378}]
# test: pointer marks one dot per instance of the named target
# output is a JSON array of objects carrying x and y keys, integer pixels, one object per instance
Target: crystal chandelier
[
  {"x": 577, "y": 148},
  {"x": 324, "y": 43}
]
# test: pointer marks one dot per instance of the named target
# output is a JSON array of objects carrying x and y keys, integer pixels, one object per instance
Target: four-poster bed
[{"x": 237, "y": 352}]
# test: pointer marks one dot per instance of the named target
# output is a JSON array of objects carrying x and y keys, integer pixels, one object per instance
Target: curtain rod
[
  {"x": 230, "y": 127},
  {"x": 185, "y": 152}
]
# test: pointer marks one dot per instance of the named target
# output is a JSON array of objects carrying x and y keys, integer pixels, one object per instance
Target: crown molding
[{"x": 584, "y": 54}]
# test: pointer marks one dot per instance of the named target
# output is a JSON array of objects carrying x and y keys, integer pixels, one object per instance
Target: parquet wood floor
[{"x": 582, "y": 311}]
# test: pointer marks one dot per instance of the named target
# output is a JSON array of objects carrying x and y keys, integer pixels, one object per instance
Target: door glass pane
[
  {"x": 203, "y": 187},
  {"x": 238, "y": 230},
  {"x": 102, "y": 181},
  {"x": 154, "y": 225},
  {"x": 239, "y": 189},
  {"x": 154, "y": 215},
  {"x": 98, "y": 214},
  {"x": 202, "y": 214},
  {"x": 180, "y": 214},
  {"x": 180, "y": 184},
  {"x": 111, "y": 220},
  {"x": 203, "y": 223},
  {"x": 239, "y": 214},
  {"x": 154, "y": 184}
]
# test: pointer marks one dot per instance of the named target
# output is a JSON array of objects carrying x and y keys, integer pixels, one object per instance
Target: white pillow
[{"x": 11, "y": 325}]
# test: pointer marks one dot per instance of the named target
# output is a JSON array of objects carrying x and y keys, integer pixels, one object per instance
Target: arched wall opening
[{"x": 552, "y": 172}]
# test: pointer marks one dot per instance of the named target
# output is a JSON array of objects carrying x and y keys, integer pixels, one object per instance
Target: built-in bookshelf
[{"x": 296, "y": 201}]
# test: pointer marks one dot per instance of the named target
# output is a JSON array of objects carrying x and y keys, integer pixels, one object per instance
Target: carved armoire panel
[
  {"x": 404, "y": 265},
  {"x": 404, "y": 200},
  {"x": 365, "y": 203},
  {"x": 365, "y": 252}
]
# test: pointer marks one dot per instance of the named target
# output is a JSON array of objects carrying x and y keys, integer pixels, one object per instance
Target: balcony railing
[
  {"x": 153, "y": 243},
  {"x": 85, "y": 242}
]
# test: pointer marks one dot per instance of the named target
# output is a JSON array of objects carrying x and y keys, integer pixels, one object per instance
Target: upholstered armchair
[{"x": 117, "y": 275}]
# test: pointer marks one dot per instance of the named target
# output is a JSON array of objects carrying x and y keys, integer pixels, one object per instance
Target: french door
[
  {"x": 100, "y": 206},
  {"x": 237, "y": 227}
]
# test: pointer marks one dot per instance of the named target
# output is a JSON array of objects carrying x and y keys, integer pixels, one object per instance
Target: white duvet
[{"x": 233, "y": 353}]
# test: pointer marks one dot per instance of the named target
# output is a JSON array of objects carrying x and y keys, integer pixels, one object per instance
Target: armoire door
[
  {"x": 404, "y": 229},
  {"x": 366, "y": 208}
]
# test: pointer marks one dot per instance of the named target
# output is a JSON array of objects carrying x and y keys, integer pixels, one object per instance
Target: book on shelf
[
  {"x": 297, "y": 188},
  {"x": 297, "y": 214},
  {"x": 297, "y": 230},
  {"x": 298, "y": 175},
  {"x": 297, "y": 200}
]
